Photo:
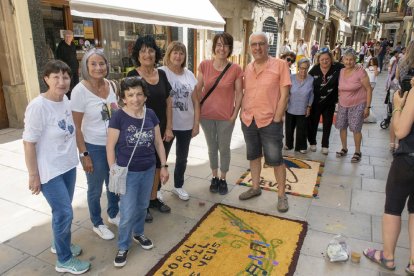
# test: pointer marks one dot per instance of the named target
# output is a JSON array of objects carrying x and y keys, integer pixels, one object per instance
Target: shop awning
[
  {"x": 197, "y": 14},
  {"x": 344, "y": 27}
]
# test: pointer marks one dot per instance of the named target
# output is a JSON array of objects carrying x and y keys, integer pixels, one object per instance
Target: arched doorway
[{"x": 271, "y": 29}]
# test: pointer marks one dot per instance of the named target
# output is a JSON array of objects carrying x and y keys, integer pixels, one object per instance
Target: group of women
[
  {"x": 134, "y": 128},
  {"x": 167, "y": 103}
]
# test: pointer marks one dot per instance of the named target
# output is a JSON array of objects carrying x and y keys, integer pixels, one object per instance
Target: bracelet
[{"x": 395, "y": 110}]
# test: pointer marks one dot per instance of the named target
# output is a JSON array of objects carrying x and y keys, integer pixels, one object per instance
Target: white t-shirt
[
  {"x": 181, "y": 93},
  {"x": 371, "y": 74},
  {"x": 284, "y": 49},
  {"x": 95, "y": 113},
  {"x": 50, "y": 125},
  {"x": 302, "y": 49}
]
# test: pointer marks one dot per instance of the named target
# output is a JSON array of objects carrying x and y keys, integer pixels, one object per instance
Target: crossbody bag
[{"x": 216, "y": 83}]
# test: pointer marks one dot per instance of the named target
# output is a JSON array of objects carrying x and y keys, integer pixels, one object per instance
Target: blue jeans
[
  {"x": 59, "y": 194},
  {"x": 95, "y": 181},
  {"x": 133, "y": 206},
  {"x": 182, "y": 145}
]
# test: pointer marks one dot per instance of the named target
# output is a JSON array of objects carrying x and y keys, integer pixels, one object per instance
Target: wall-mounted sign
[{"x": 391, "y": 26}]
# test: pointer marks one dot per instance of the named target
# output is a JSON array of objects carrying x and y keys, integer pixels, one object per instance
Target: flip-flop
[
  {"x": 408, "y": 270},
  {"x": 370, "y": 254}
]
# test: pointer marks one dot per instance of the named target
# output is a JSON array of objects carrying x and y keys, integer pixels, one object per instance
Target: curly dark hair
[{"x": 146, "y": 41}]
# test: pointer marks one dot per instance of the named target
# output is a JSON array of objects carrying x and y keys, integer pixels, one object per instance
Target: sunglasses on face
[
  {"x": 324, "y": 50},
  {"x": 289, "y": 60}
]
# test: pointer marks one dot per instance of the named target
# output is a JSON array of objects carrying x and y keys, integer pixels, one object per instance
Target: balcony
[
  {"x": 340, "y": 6},
  {"x": 372, "y": 11},
  {"x": 298, "y": 2},
  {"x": 391, "y": 11},
  {"x": 317, "y": 8},
  {"x": 360, "y": 20}
]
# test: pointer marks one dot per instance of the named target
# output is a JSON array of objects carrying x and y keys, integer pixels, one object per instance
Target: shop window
[{"x": 53, "y": 23}]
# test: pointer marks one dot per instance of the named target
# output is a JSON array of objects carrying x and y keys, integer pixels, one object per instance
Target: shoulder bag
[
  {"x": 118, "y": 174},
  {"x": 216, "y": 83}
]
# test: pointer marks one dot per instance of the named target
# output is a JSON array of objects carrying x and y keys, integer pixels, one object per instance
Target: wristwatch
[
  {"x": 164, "y": 166},
  {"x": 84, "y": 154}
]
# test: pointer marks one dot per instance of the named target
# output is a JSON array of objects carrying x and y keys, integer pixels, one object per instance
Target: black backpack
[{"x": 406, "y": 80}]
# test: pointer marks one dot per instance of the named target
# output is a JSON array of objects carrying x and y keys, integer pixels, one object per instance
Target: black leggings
[
  {"x": 327, "y": 112},
  {"x": 400, "y": 186}
]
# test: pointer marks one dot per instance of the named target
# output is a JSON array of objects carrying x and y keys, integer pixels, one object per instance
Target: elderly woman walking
[
  {"x": 299, "y": 106},
  {"x": 51, "y": 159},
  {"x": 355, "y": 94},
  {"x": 93, "y": 101}
]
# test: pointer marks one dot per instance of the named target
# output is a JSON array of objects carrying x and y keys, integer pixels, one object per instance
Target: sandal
[
  {"x": 408, "y": 270},
  {"x": 370, "y": 254},
  {"x": 341, "y": 153},
  {"x": 356, "y": 158}
]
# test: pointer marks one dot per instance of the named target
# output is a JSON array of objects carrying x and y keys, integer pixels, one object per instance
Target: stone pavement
[{"x": 350, "y": 202}]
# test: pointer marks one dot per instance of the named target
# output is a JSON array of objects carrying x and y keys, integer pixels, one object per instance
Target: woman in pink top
[
  {"x": 355, "y": 94},
  {"x": 219, "y": 110}
]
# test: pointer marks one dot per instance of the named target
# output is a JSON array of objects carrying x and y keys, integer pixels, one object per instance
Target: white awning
[
  {"x": 197, "y": 14},
  {"x": 344, "y": 27}
]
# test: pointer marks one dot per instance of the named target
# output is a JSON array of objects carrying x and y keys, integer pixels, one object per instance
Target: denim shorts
[{"x": 267, "y": 141}]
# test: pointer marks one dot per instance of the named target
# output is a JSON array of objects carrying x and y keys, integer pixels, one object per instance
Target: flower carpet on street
[
  {"x": 233, "y": 241},
  {"x": 303, "y": 177}
]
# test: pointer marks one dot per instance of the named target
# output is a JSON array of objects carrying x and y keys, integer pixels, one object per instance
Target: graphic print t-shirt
[
  {"x": 129, "y": 127},
  {"x": 50, "y": 125},
  {"x": 181, "y": 93}
]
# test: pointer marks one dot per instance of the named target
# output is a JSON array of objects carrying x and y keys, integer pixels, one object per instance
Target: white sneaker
[
  {"x": 115, "y": 220},
  {"x": 182, "y": 194},
  {"x": 303, "y": 151},
  {"x": 159, "y": 195},
  {"x": 325, "y": 151},
  {"x": 312, "y": 148},
  {"x": 103, "y": 232}
]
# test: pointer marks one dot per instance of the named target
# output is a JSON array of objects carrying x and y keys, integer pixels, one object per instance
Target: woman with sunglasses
[
  {"x": 290, "y": 58},
  {"x": 325, "y": 88},
  {"x": 93, "y": 100},
  {"x": 146, "y": 55}
]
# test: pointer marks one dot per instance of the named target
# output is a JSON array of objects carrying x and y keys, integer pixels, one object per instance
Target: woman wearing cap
[
  {"x": 325, "y": 88},
  {"x": 355, "y": 94}
]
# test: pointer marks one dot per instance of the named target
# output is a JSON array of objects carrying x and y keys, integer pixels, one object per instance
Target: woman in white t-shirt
[
  {"x": 301, "y": 51},
  {"x": 186, "y": 109},
  {"x": 92, "y": 101},
  {"x": 51, "y": 159}
]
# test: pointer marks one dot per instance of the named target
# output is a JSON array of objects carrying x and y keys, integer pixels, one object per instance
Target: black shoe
[
  {"x": 121, "y": 258},
  {"x": 160, "y": 205},
  {"x": 222, "y": 187},
  {"x": 148, "y": 217},
  {"x": 214, "y": 186},
  {"x": 143, "y": 241}
]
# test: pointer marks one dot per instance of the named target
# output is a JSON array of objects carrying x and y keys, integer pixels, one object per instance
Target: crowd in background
[{"x": 280, "y": 103}]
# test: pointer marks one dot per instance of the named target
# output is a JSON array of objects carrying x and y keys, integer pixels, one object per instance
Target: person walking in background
[
  {"x": 372, "y": 71},
  {"x": 186, "y": 109},
  {"x": 135, "y": 133},
  {"x": 325, "y": 88},
  {"x": 314, "y": 50},
  {"x": 93, "y": 101},
  {"x": 266, "y": 94},
  {"x": 299, "y": 106},
  {"x": 399, "y": 187},
  {"x": 301, "y": 51},
  {"x": 51, "y": 159},
  {"x": 355, "y": 94},
  {"x": 382, "y": 52},
  {"x": 362, "y": 52},
  {"x": 146, "y": 55},
  {"x": 66, "y": 52},
  {"x": 220, "y": 100},
  {"x": 285, "y": 47},
  {"x": 337, "y": 52}
]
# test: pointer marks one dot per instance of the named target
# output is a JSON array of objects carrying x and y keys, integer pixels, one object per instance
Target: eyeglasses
[
  {"x": 255, "y": 44},
  {"x": 224, "y": 46},
  {"x": 324, "y": 50},
  {"x": 106, "y": 112},
  {"x": 290, "y": 60}
]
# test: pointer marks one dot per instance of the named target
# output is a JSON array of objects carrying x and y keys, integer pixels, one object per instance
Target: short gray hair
[
  {"x": 350, "y": 52},
  {"x": 260, "y": 34},
  {"x": 303, "y": 60},
  {"x": 84, "y": 62}
]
